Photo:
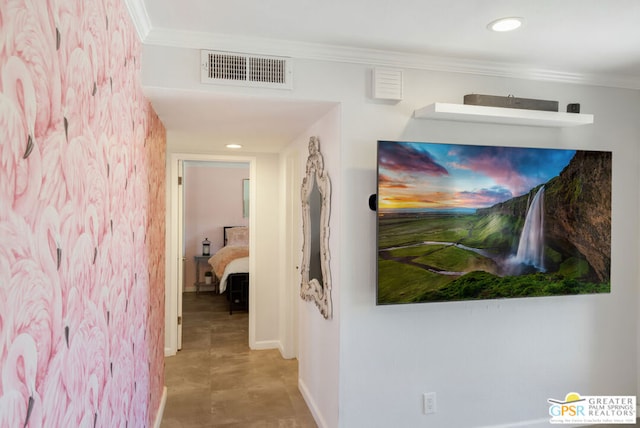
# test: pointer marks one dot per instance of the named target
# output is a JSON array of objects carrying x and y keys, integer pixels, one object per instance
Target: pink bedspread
[{"x": 226, "y": 255}]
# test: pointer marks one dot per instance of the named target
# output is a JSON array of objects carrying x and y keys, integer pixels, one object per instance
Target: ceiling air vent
[{"x": 246, "y": 70}]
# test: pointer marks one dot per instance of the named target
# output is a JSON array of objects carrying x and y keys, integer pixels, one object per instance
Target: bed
[{"x": 232, "y": 260}]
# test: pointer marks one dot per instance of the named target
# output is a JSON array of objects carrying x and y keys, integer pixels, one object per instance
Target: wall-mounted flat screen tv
[{"x": 466, "y": 222}]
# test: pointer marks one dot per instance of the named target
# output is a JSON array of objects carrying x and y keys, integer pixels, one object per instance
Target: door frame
[
  {"x": 293, "y": 255},
  {"x": 182, "y": 260},
  {"x": 174, "y": 254}
]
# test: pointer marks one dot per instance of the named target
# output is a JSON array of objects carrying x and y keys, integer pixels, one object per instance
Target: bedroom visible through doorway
[
  {"x": 185, "y": 241},
  {"x": 214, "y": 198}
]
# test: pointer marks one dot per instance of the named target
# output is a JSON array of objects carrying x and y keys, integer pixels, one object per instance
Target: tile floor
[{"x": 217, "y": 381}]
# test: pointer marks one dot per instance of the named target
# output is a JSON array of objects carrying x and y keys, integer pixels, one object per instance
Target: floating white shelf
[{"x": 501, "y": 115}]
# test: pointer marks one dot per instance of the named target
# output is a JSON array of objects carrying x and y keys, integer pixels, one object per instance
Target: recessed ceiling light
[
  {"x": 505, "y": 24},
  {"x": 233, "y": 146}
]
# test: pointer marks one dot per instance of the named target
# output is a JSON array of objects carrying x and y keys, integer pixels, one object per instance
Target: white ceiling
[
  {"x": 588, "y": 41},
  {"x": 258, "y": 124}
]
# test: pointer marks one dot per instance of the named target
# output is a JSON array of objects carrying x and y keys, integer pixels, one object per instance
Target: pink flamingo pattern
[{"x": 82, "y": 227}]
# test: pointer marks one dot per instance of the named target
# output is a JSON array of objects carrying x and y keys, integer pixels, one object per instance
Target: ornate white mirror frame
[{"x": 316, "y": 207}]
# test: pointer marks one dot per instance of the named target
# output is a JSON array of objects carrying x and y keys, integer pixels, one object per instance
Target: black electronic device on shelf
[{"x": 510, "y": 102}]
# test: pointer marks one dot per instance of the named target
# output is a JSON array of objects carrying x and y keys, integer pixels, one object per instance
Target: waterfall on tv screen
[{"x": 531, "y": 246}]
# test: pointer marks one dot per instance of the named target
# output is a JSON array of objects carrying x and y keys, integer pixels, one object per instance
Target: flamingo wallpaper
[{"x": 82, "y": 226}]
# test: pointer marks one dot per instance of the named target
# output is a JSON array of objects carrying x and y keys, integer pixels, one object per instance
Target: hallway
[{"x": 217, "y": 381}]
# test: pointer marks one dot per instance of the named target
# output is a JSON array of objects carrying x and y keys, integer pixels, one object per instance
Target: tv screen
[{"x": 466, "y": 222}]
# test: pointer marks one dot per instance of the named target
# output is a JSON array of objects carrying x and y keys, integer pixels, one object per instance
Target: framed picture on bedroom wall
[
  {"x": 245, "y": 198},
  {"x": 464, "y": 222}
]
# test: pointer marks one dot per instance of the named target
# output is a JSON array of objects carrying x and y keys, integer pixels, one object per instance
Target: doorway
[
  {"x": 176, "y": 255},
  {"x": 214, "y": 198}
]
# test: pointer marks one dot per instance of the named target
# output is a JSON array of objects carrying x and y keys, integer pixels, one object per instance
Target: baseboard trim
[
  {"x": 266, "y": 344},
  {"x": 532, "y": 423},
  {"x": 160, "y": 412},
  {"x": 284, "y": 354},
  {"x": 203, "y": 288},
  {"x": 313, "y": 408}
]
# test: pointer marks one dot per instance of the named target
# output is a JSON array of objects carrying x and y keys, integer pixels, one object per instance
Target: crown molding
[
  {"x": 376, "y": 57},
  {"x": 140, "y": 18}
]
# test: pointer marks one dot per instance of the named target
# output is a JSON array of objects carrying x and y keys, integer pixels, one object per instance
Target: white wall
[
  {"x": 490, "y": 362},
  {"x": 319, "y": 339},
  {"x": 268, "y": 235},
  {"x": 497, "y": 360}
]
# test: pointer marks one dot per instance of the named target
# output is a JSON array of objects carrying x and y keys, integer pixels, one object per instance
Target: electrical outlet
[{"x": 429, "y": 402}]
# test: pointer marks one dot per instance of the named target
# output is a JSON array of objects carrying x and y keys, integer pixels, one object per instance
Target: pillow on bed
[{"x": 237, "y": 236}]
